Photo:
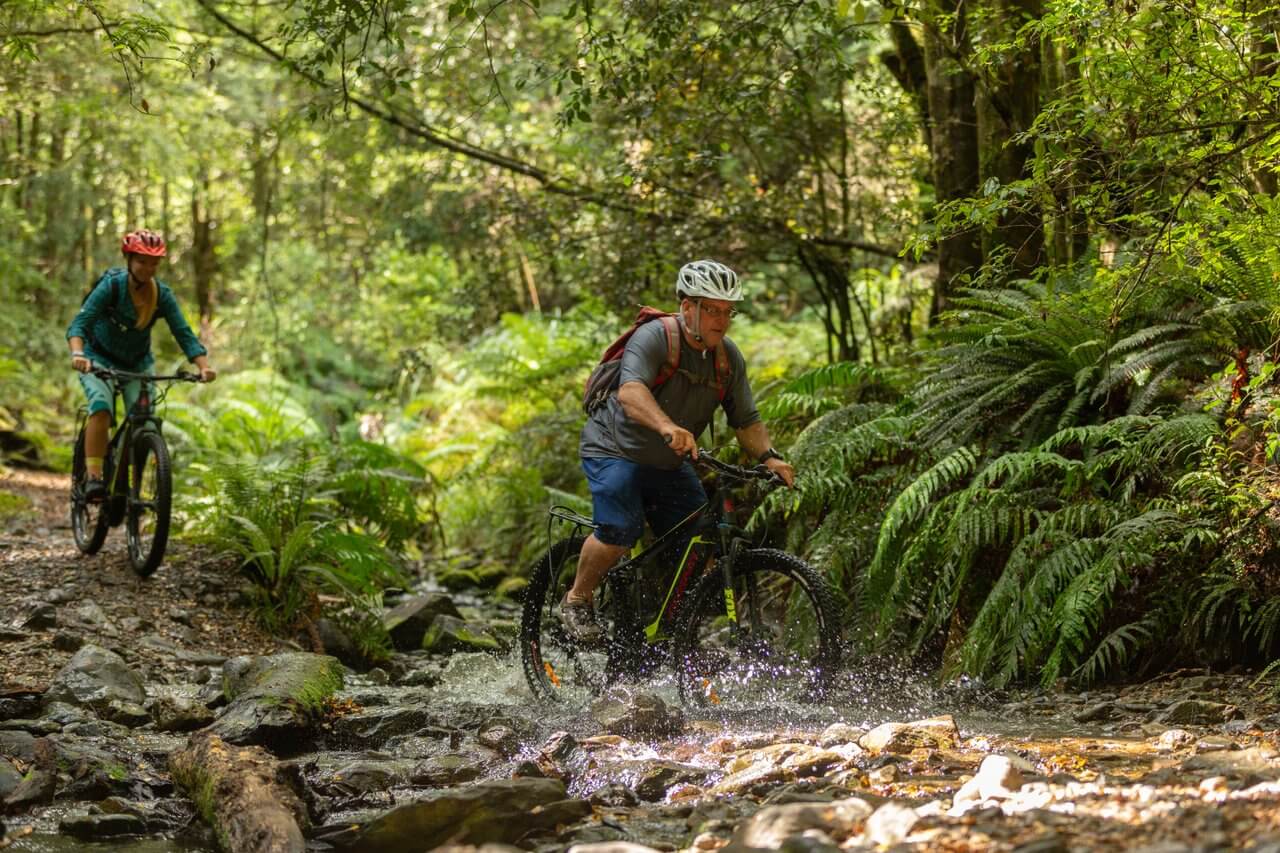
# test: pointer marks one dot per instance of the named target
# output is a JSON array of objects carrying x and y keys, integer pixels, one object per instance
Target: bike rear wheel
[
  {"x": 556, "y": 667},
  {"x": 784, "y": 643},
  {"x": 89, "y": 522},
  {"x": 149, "y": 502}
]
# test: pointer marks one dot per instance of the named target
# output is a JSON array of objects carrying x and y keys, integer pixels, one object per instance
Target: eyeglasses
[{"x": 718, "y": 313}]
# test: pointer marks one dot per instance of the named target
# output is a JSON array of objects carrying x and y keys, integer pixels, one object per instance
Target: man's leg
[
  {"x": 619, "y": 516},
  {"x": 595, "y": 560}
]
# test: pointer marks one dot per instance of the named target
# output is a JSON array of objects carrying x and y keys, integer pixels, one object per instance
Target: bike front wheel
[
  {"x": 89, "y": 521},
  {"x": 773, "y": 636},
  {"x": 149, "y": 502}
]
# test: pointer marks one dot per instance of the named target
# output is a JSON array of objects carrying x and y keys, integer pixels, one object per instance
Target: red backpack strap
[
  {"x": 724, "y": 371},
  {"x": 668, "y": 369}
]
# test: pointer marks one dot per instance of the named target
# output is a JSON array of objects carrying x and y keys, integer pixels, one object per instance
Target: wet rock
[
  {"x": 39, "y": 783},
  {"x": 1196, "y": 712},
  {"x": 890, "y": 823},
  {"x": 373, "y": 727},
  {"x": 653, "y": 778},
  {"x": 41, "y": 618},
  {"x": 94, "y": 772},
  {"x": 65, "y": 715},
  {"x": 9, "y": 778},
  {"x": 559, "y": 746},
  {"x": 368, "y": 776},
  {"x": 500, "y": 738},
  {"x": 19, "y": 702},
  {"x": 883, "y": 775},
  {"x": 1174, "y": 739},
  {"x": 378, "y": 677},
  {"x": 129, "y": 714},
  {"x": 68, "y": 641},
  {"x": 35, "y": 727},
  {"x": 1213, "y": 743},
  {"x": 933, "y": 733},
  {"x": 94, "y": 677},
  {"x": 772, "y": 827},
  {"x": 611, "y": 847},
  {"x": 179, "y": 715},
  {"x": 407, "y": 622},
  {"x": 1048, "y": 843},
  {"x": 530, "y": 770},
  {"x": 1094, "y": 713},
  {"x": 622, "y": 712},
  {"x": 275, "y": 697},
  {"x": 92, "y": 827},
  {"x": 452, "y": 768},
  {"x": 840, "y": 733},
  {"x": 614, "y": 795},
  {"x": 996, "y": 779},
  {"x": 338, "y": 643},
  {"x": 500, "y": 811},
  {"x": 15, "y": 743},
  {"x": 448, "y": 635}
]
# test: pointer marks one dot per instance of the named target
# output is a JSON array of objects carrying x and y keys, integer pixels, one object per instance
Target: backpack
[{"x": 603, "y": 380}]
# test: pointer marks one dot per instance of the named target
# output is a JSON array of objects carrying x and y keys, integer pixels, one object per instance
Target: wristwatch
[{"x": 767, "y": 455}]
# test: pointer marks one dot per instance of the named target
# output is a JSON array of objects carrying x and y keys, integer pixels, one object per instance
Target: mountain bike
[
  {"x": 136, "y": 472},
  {"x": 735, "y": 621}
]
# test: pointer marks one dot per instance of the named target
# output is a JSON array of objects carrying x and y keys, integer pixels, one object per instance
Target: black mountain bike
[
  {"x": 737, "y": 622},
  {"x": 136, "y": 472}
]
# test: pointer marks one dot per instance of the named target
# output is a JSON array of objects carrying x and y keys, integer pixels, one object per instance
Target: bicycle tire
[
  {"x": 799, "y": 647},
  {"x": 151, "y": 469},
  {"x": 556, "y": 668},
  {"x": 89, "y": 521}
]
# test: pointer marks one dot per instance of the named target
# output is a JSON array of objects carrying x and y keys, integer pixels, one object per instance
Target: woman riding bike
[{"x": 113, "y": 329}]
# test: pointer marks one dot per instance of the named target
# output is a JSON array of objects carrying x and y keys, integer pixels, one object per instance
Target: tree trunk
[
  {"x": 955, "y": 145},
  {"x": 203, "y": 261},
  {"x": 1007, "y": 106},
  {"x": 831, "y": 277},
  {"x": 239, "y": 793}
]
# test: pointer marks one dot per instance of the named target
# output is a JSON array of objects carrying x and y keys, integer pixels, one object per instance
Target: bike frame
[{"x": 725, "y": 545}]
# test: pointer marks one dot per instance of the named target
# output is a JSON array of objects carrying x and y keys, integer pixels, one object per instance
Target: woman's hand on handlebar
[
  {"x": 81, "y": 364},
  {"x": 208, "y": 374}
]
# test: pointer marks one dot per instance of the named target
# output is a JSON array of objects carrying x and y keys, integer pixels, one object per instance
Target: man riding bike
[
  {"x": 634, "y": 447},
  {"x": 113, "y": 329}
]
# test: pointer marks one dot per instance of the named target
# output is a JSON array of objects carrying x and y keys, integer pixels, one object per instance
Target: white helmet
[{"x": 709, "y": 280}]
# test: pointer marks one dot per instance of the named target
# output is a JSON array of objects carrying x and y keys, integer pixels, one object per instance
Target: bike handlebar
[
  {"x": 111, "y": 373},
  {"x": 758, "y": 472}
]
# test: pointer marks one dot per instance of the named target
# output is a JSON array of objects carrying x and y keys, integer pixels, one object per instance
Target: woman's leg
[{"x": 96, "y": 428}]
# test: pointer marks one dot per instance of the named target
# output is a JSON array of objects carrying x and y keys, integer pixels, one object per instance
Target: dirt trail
[{"x": 187, "y": 605}]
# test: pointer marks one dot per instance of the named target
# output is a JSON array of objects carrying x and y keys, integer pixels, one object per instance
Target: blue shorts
[
  {"x": 624, "y": 494},
  {"x": 98, "y": 392}
]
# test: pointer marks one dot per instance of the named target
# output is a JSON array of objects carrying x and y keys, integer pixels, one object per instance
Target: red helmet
[{"x": 143, "y": 242}]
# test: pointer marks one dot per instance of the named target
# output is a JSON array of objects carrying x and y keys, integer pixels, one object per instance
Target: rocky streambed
[{"x": 151, "y": 716}]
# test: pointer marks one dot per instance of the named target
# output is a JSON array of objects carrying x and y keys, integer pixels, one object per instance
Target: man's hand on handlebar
[
  {"x": 681, "y": 442},
  {"x": 782, "y": 470}
]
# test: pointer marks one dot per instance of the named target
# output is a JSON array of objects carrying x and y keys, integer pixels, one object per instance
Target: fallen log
[{"x": 238, "y": 792}]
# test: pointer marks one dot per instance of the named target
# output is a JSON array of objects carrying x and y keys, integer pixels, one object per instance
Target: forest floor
[
  {"x": 187, "y": 606},
  {"x": 1189, "y": 761}
]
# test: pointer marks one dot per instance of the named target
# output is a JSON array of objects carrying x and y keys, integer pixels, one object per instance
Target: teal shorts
[{"x": 98, "y": 391}]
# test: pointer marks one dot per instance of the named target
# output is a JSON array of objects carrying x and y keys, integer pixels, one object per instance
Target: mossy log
[{"x": 238, "y": 792}]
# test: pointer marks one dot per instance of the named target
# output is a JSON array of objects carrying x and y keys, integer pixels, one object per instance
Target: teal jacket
[{"x": 107, "y": 321}]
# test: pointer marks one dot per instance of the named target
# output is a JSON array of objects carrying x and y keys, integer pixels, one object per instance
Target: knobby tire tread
[
  {"x": 541, "y": 584},
  {"x": 145, "y": 445},
  {"x": 89, "y": 541}
]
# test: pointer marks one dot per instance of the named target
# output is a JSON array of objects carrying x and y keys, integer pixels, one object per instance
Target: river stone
[
  {"x": 1172, "y": 739},
  {"x": 65, "y": 715},
  {"x": 890, "y": 823},
  {"x": 89, "y": 827},
  {"x": 996, "y": 779},
  {"x": 500, "y": 811},
  {"x": 614, "y": 795},
  {"x": 622, "y": 712},
  {"x": 452, "y": 768},
  {"x": 653, "y": 778},
  {"x": 372, "y": 728},
  {"x": 41, "y": 618},
  {"x": 840, "y": 733},
  {"x": 18, "y": 744},
  {"x": 369, "y": 776},
  {"x": 772, "y": 826},
  {"x": 274, "y": 697},
  {"x": 1196, "y": 712},
  {"x": 179, "y": 715},
  {"x": 93, "y": 678},
  {"x": 1095, "y": 713},
  {"x": 933, "y": 733},
  {"x": 9, "y": 778},
  {"x": 500, "y": 738},
  {"x": 449, "y": 634},
  {"x": 611, "y": 847},
  {"x": 129, "y": 714},
  {"x": 407, "y": 622}
]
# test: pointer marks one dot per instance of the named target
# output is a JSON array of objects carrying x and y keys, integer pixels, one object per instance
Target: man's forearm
[
  {"x": 754, "y": 439},
  {"x": 640, "y": 406}
]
